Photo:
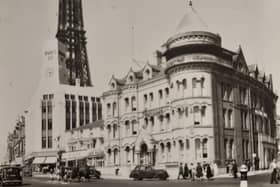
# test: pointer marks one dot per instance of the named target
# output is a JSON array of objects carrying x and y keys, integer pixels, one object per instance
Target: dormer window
[
  {"x": 147, "y": 74},
  {"x": 113, "y": 85},
  {"x": 130, "y": 78}
]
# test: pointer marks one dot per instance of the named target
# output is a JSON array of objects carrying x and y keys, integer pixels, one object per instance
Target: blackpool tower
[{"x": 71, "y": 34}]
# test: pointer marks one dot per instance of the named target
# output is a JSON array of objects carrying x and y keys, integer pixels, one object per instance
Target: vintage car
[
  {"x": 148, "y": 172},
  {"x": 10, "y": 175},
  {"x": 94, "y": 173}
]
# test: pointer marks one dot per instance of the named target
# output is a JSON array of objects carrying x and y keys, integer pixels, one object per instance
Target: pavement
[
  {"x": 121, "y": 177},
  {"x": 259, "y": 180}
]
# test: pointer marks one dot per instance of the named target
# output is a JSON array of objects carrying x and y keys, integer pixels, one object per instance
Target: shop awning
[
  {"x": 75, "y": 155},
  {"x": 39, "y": 160},
  {"x": 50, "y": 160}
]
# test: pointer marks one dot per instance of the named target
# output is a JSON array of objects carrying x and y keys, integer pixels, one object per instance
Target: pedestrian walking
[
  {"x": 181, "y": 171},
  {"x": 273, "y": 167},
  {"x": 209, "y": 173},
  {"x": 186, "y": 171},
  {"x": 227, "y": 167},
  {"x": 234, "y": 169},
  {"x": 199, "y": 171}
]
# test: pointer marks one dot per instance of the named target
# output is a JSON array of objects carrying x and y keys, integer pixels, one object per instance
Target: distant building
[
  {"x": 278, "y": 134},
  {"x": 65, "y": 102},
  {"x": 199, "y": 102},
  {"x": 16, "y": 143}
]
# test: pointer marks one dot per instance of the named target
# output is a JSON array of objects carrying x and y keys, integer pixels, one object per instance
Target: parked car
[
  {"x": 94, "y": 173},
  {"x": 27, "y": 171},
  {"x": 10, "y": 175},
  {"x": 148, "y": 172}
]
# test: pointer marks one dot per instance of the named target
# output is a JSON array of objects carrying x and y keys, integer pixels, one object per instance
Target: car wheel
[{"x": 162, "y": 177}]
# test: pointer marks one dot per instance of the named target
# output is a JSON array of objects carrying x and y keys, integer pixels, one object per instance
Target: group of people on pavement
[
  {"x": 196, "y": 172},
  {"x": 69, "y": 173}
]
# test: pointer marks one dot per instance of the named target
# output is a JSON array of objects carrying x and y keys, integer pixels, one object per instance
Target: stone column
[{"x": 90, "y": 110}]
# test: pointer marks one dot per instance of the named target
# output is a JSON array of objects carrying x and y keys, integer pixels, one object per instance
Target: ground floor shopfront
[{"x": 82, "y": 158}]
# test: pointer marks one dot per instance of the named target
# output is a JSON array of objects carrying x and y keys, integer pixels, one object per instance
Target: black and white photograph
[{"x": 139, "y": 93}]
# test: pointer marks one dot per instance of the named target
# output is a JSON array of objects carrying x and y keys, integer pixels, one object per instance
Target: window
[
  {"x": 224, "y": 117},
  {"x": 94, "y": 111},
  {"x": 194, "y": 82},
  {"x": 151, "y": 97},
  {"x": 196, "y": 115},
  {"x": 178, "y": 85},
  {"x": 114, "y": 109},
  {"x": 187, "y": 144},
  {"x": 130, "y": 79},
  {"x": 147, "y": 73},
  {"x": 184, "y": 83},
  {"x": 127, "y": 127},
  {"x": 152, "y": 123},
  {"x": 133, "y": 103},
  {"x": 166, "y": 92},
  {"x": 204, "y": 148},
  {"x": 113, "y": 85},
  {"x": 108, "y": 108},
  {"x": 145, "y": 99},
  {"x": 99, "y": 110},
  {"x": 134, "y": 127},
  {"x": 203, "y": 111},
  {"x": 230, "y": 125},
  {"x": 74, "y": 114},
  {"x": 81, "y": 106},
  {"x": 160, "y": 94},
  {"x": 197, "y": 149},
  {"x": 115, "y": 130},
  {"x": 67, "y": 108},
  {"x": 186, "y": 111},
  {"x": 202, "y": 82},
  {"x": 87, "y": 111},
  {"x": 126, "y": 101}
]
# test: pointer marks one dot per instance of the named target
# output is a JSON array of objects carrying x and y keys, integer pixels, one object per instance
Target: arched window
[
  {"x": 203, "y": 111},
  {"x": 152, "y": 123},
  {"x": 116, "y": 153},
  {"x": 134, "y": 127},
  {"x": 197, "y": 149},
  {"x": 196, "y": 115},
  {"x": 109, "y": 131},
  {"x": 114, "y": 109},
  {"x": 133, "y": 103},
  {"x": 167, "y": 116},
  {"x": 166, "y": 92},
  {"x": 202, "y": 82},
  {"x": 127, "y": 127},
  {"x": 108, "y": 108},
  {"x": 178, "y": 85},
  {"x": 127, "y": 152},
  {"x": 187, "y": 144},
  {"x": 109, "y": 152},
  {"x": 181, "y": 145},
  {"x": 184, "y": 83},
  {"x": 194, "y": 82},
  {"x": 186, "y": 111},
  {"x": 115, "y": 130},
  {"x": 204, "y": 148}
]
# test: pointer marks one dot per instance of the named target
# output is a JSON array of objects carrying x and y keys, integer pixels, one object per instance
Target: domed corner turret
[{"x": 192, "y": 30}]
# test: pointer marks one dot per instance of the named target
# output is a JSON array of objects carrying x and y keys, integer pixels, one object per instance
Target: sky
[{"x": 25, "y": 25}]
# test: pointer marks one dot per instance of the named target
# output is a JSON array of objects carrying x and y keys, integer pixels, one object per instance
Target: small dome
[{"x": 191, "y": 21}]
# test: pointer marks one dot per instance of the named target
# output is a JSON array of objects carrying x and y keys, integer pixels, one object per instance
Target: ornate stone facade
[{"x": 199, "y": 103}]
